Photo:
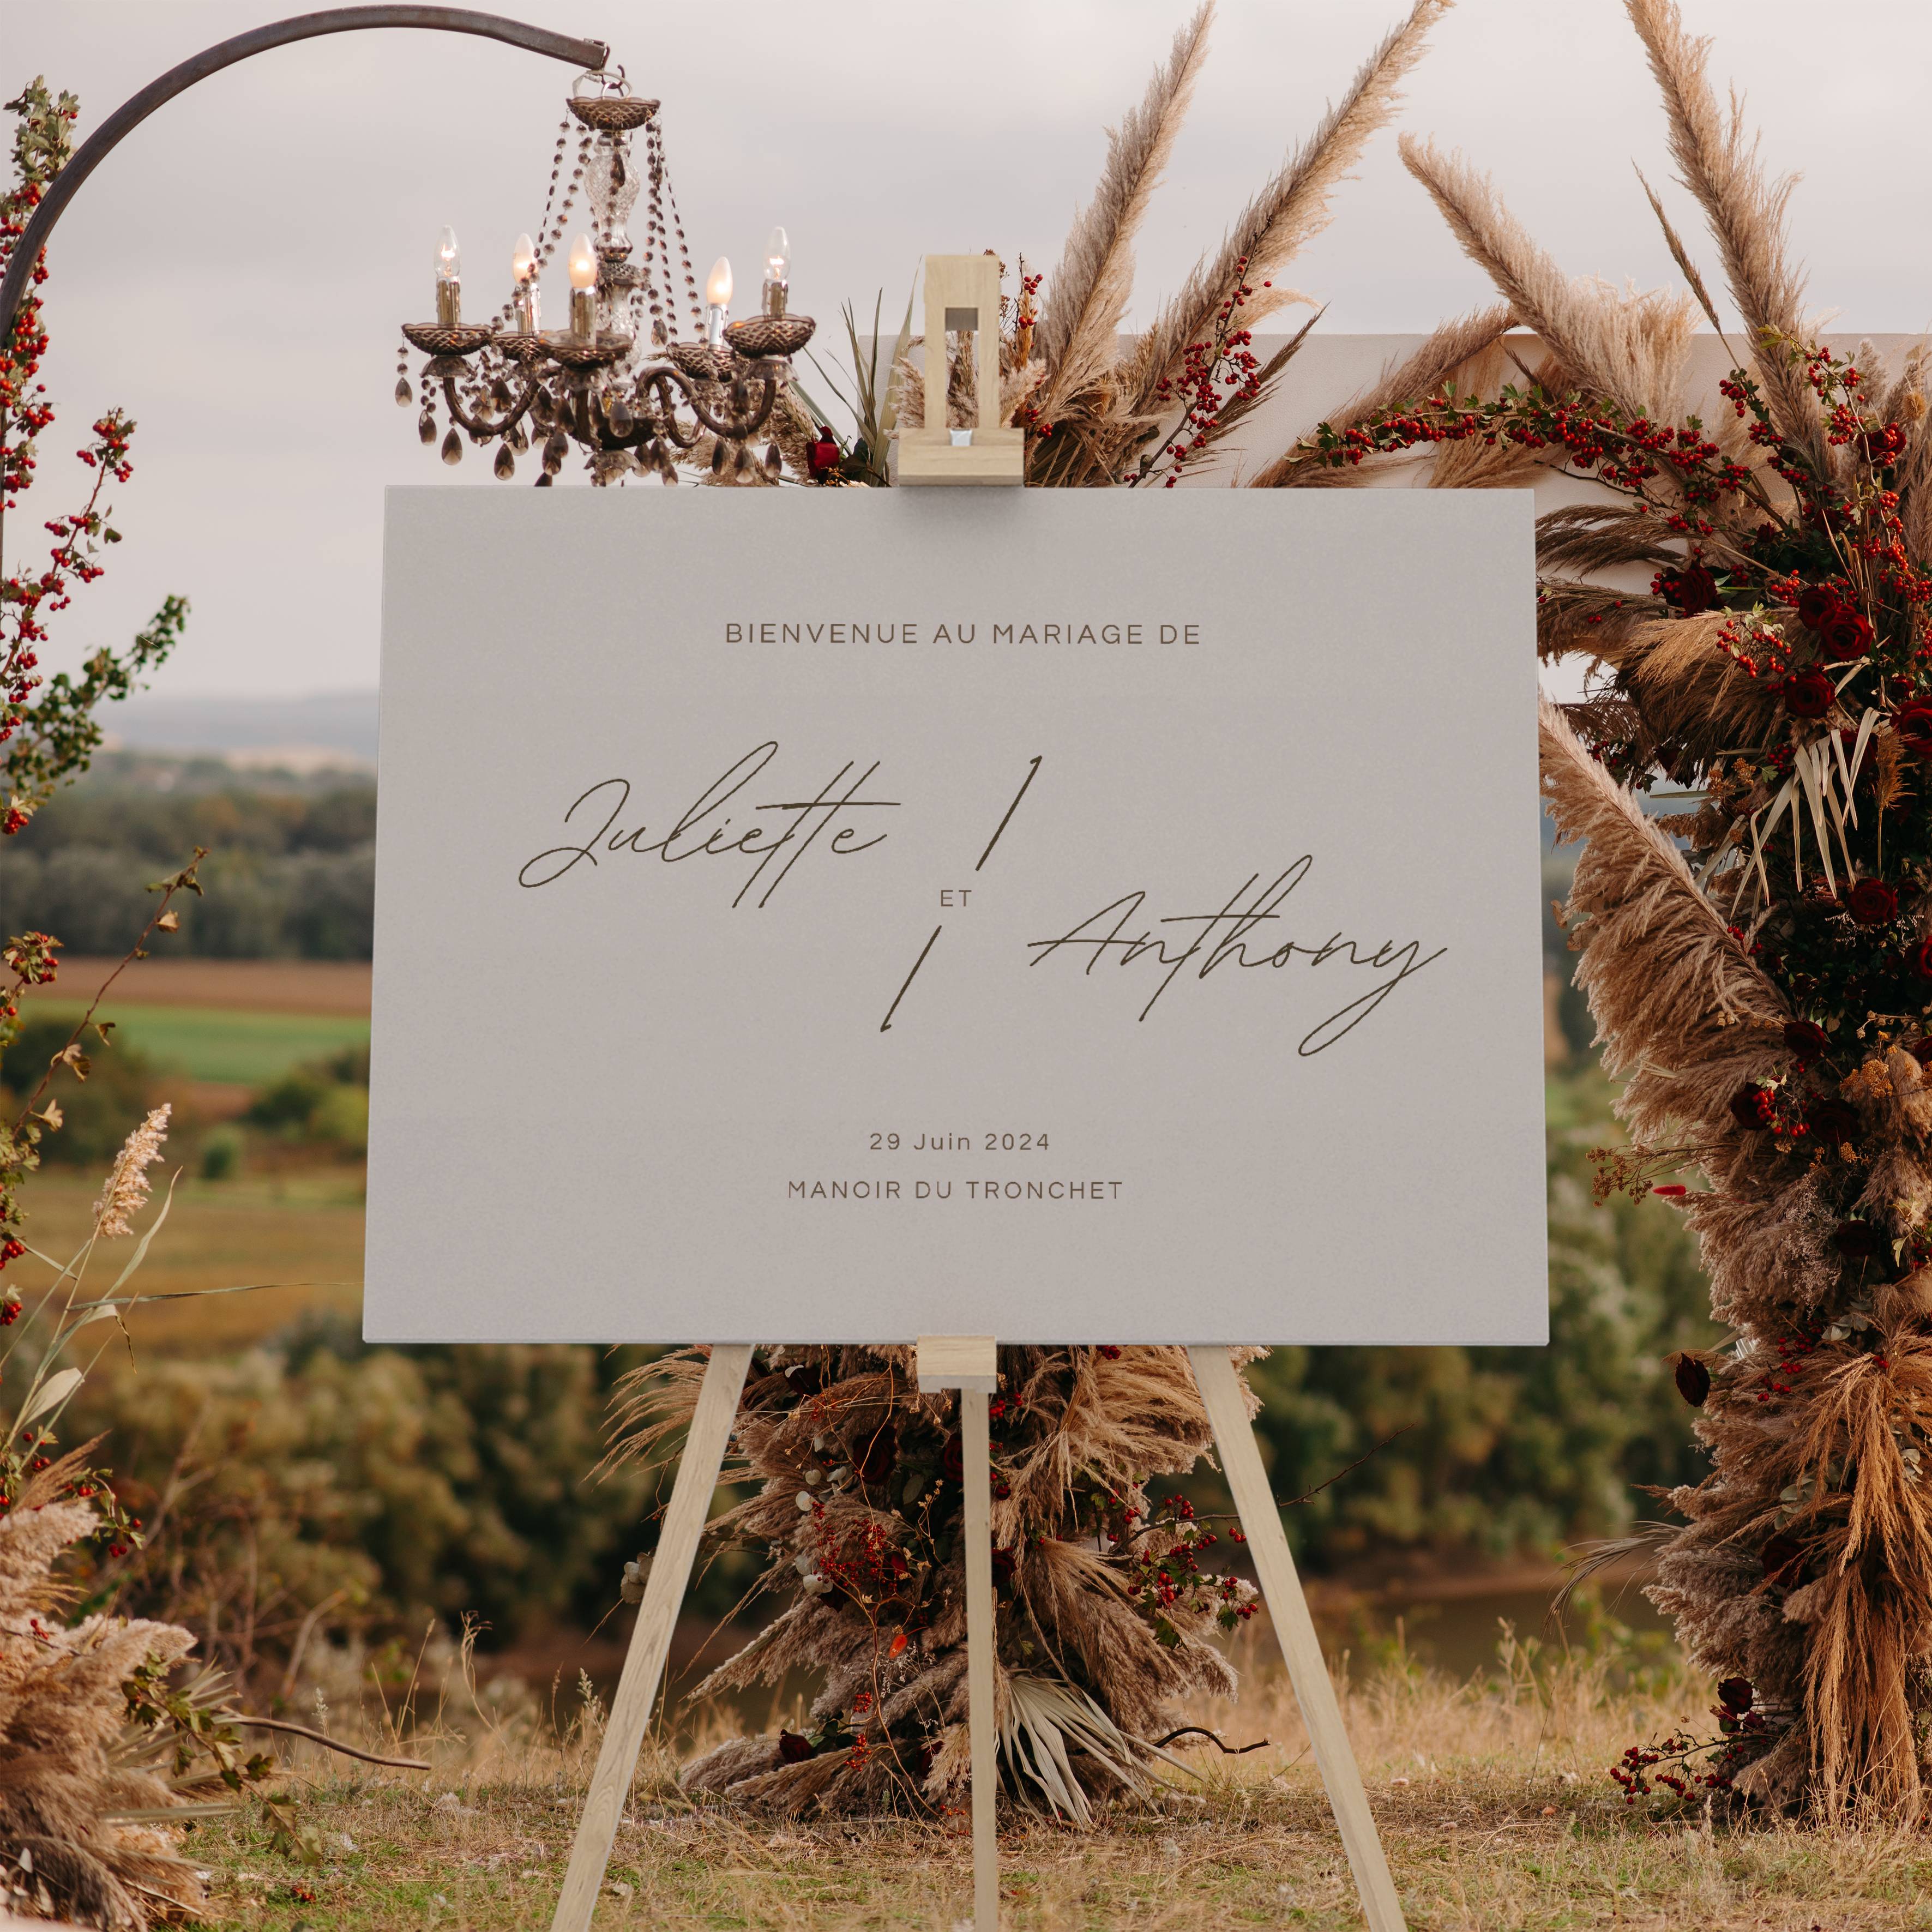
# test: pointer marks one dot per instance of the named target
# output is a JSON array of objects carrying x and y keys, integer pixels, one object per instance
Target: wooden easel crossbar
[{"x": 968, "y": 1364}]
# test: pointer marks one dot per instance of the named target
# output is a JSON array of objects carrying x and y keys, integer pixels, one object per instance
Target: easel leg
[
  {"x": 970, "y": 1363},
  {"x": 650, "y": 1642},
  {"x": 1240, "y": 1460},
  {"x": 978, "y": 1469}
]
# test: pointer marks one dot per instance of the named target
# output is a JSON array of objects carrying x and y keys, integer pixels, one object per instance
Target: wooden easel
[{"x": 967, "y": 1363}]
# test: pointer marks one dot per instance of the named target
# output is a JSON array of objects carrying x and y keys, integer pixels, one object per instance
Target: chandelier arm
[
  {"x": 590, "y": 54},
  {"x": 667, "y": 403},
  {"x": 734, "y": 432},
  {"x": 481, "y": 426}
]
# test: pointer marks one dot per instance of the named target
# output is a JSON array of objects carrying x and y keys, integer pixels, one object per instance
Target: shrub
[{"x": 379, "y": 1485}]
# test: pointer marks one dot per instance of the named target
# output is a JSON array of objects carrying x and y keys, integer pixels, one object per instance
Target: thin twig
[
  {"x": 329, "y": 1743},
  {"x": 1196, "y": 1731}
]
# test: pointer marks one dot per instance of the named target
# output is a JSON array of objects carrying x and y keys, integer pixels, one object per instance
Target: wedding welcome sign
[{"x": 1068, "y": 917}]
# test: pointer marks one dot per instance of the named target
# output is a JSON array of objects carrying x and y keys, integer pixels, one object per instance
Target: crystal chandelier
[{"x": 620, "y": 380}]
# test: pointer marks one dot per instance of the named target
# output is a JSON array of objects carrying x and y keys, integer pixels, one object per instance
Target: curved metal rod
[
  {"x": 590, "y": 55},
  {"x": 667, "y": 403},
  {"x": 481, "y": 426},
  {"x": 726, "y": 430}
]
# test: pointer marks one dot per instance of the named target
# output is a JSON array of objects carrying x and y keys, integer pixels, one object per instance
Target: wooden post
[
  {"x": 970, "y": 1364},
  {"x": 1222, "y": 1395},
  {"x": 650, "y": 1641}
]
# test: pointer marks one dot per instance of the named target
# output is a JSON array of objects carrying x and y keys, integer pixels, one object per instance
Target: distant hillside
[
  {"x": 341, "y": 722},
  {"x": 290, "y": 872}
]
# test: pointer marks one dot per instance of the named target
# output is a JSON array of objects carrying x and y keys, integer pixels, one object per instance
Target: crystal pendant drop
[
  {"x": 452, "y": 448},
  {"x": 774, "y": 459},
  {"x": 742, "y": 463},
  {"x": 669, "y": 474},
  {"x": 519, "y": 439},
  {"x": 554, "y": 452},
  {"x": 717, "y": 458},
  {"x": 617, "y": 414},
  {"x": 506, "y": 465},
  {"x": 405, "y": 395},
  {"x": 544, "y": 481},
  {"x": 426, "y": 426}
]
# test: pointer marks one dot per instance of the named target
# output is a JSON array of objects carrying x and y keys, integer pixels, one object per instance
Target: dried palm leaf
[{"x": 1042, "y": 1726}]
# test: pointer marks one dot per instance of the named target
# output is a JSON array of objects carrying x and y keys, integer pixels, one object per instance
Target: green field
[{"x": 234, "y": 1048}]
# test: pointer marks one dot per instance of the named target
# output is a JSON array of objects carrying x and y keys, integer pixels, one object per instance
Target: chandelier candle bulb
[
  {"x": 717, "y": 300},
  {"x": 582, "y": 288},
  {"x": 523, "y": 276},
  {"x": 778, "y": 272},
  {"x": 448, "y": 280}
]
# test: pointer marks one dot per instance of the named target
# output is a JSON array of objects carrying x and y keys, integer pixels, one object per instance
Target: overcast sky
[{"x": 234, "y": 274}]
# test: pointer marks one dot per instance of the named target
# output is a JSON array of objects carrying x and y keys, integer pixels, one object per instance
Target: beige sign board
[{"x": 1068, "y": 917}]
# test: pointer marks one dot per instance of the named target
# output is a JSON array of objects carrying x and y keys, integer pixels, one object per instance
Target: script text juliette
[{"x": 707, "y": 830}]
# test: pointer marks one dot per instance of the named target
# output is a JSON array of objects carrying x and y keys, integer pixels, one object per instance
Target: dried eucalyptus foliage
[{"x": 1104, "y": 1611}]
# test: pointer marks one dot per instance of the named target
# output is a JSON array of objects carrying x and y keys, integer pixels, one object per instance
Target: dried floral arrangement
[
  {"x": 1759, "y": 964},
  {"x": 1105, "y": 1610}
]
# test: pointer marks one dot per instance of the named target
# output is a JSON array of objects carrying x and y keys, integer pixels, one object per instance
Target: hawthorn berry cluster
[
  {"x": 1683, "y": 1765},
  {"x": 1217, "y": 375}
]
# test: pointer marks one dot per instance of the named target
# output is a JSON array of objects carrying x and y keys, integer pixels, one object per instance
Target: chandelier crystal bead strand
[{"x": 619, "y": 382}]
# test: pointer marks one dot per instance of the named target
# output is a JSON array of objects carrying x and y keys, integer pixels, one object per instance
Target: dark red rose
[
  {"x": 1784, "y": 1559},
  {"x": 1692, "y": 588},
  {"x": 1693, "y": 1380},
  {"x": 1747, "y": 1106},
  {"x": 805, "y": 1378},
  {"x": 1920, "y": 1050},
  {"x": 1808, "y": 693},
  {"x": 882, "y": 1451},
  {"x": 1883, "y": 446},
  {"x": 1918, "y": 961},
  {"x": 1736, "y": 1695},
  {"x": 952, "y": 1458},
  {"x": 1004, "y": 1564},
  {"x": 1816, "y": 602},
  {"x": 1806, "y": 1039},
  {"x": 1832, "y": 1121},
  {"x": 1859, "y": 1240},
  {"x": 1844, "y": 635},
  {"x": 1872, "y": 902},
  {"x": 1912, "y": 725},
  {"x": 792, "y": 1749}
]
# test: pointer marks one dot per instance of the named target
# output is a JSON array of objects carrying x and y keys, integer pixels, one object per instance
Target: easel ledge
[{"x": 969, "y": 1363}]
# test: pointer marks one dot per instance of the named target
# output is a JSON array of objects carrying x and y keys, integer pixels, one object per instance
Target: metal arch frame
[{"x": 591, "y": 55}]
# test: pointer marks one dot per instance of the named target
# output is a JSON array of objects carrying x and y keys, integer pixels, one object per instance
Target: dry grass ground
[{"x": 1492, "y": 1797}]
